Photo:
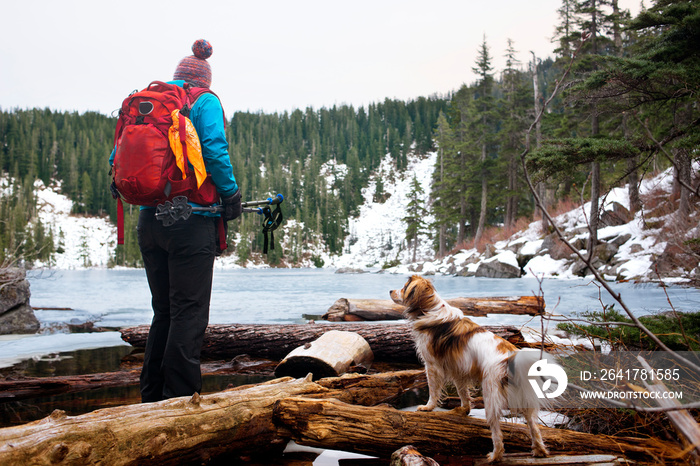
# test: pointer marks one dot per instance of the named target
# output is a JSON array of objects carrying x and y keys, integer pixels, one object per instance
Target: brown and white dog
[{"x": 454, "y": 348}]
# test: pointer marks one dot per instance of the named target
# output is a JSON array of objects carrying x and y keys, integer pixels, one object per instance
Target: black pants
[{"x": 179, "y": 262}]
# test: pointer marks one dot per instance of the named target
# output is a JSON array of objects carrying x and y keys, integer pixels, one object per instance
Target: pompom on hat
[{"x": 195, "y": 69}]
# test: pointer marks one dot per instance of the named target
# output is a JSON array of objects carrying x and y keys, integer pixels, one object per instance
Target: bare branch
[{"x": 599, "y": 278}]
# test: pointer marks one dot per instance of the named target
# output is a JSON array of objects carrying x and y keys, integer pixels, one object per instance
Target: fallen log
[
  {"x": 184, "y": 430},
  {"x": 16, "y": 389},
  {"x": 331, "y": 355},
  {"x": 518, "y": 459},
  {"x": 389, "y": 342},
  {"x": 379, "y": 431},
  {"x": 350, "y": 310}
]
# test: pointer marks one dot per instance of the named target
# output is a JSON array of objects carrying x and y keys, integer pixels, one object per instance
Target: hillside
[
  {"x": 633, "y": 247},
  {"x": 645, "y": 246}
]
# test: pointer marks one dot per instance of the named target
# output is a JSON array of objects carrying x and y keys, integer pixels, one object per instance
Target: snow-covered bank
[
  {"x": 377, "y": 236},
  {"x": 632, "y": 246},
  {"x": 81, "y": 241}
]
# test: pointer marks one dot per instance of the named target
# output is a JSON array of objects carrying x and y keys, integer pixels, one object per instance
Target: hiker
[{"x": 179, "y": 258}]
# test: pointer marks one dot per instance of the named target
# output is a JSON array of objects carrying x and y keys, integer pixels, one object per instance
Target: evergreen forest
[{"x": 628, "y": 105}]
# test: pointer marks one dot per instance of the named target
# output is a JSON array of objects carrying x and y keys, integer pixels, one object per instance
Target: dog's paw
[
  {"x": 425, "y": 408},
  {"x": 540, "y": 452},
  {"x": 462, "y": 410},
  {"x": 494, "y": 457}
]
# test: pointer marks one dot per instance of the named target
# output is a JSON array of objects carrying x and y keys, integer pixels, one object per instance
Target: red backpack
[{"x": 144, "y": 168}]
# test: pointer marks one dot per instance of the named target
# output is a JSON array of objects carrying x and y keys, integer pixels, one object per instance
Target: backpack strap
[
  {"x": 120, "y": 221},
  {"x": 196, "y": 93},
  {"x": 221, "y": 226}
]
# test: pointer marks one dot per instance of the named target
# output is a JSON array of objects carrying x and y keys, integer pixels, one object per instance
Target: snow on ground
[
  {"x": 377, "y": 236},
  {"x": 81, "y": 241},
  {"x": 17, "y": 348}
]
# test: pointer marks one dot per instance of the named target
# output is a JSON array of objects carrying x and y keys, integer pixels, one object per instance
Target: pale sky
[{"x": 270, "y": 56}]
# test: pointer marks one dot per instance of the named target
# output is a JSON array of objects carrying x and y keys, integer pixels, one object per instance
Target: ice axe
[{"x": 178, "y": 208}]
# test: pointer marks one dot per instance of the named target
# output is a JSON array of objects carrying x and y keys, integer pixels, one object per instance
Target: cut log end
[
  {"x": 331, "y": 355},
  {"x": 298, "y": 367}
]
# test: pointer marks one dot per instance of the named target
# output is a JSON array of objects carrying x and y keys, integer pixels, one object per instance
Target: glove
[{"x": 232, "y": 206}]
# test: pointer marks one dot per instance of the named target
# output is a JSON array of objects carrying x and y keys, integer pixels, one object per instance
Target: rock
[
  {"x": 605, "y": 252},
  {"x": 621, "y": 239},
  {"x": 490, "y": 251},
  {"x": 16, "y": 316},
  {"x": 579, "y": 242},
  {"x": 523, "y": 259},
  {"x": 496, "y": 269},
  {"x": 619, "y": 215},
  {"x": 350, "y": 270},
  {"x": 416, "y": 267},
  {"x": 515, "y": 247},
  {"x": 636, "y": 248},
  {"x": 15, "y": 289},
  {"x": 20, "y": 319},
  {"x": 673, "y": 260},
  {"x": 580, "y": 268},
  {"x": 555, "y": 247},
  {"x": 547, "y": 244},
  {"x": 465, "y": 272}
]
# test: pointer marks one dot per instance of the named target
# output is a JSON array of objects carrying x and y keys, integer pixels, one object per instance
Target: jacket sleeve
[{"x": 208, "y": 119}]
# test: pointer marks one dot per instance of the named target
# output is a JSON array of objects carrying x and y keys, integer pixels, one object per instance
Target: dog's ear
[{"x": 415, "y": 287}]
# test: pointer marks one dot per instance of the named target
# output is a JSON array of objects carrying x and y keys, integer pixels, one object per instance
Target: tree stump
[{"x": 331, "y": 355}]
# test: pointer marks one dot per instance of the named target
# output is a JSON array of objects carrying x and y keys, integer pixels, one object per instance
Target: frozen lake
[{"x": 120, "y": 298}]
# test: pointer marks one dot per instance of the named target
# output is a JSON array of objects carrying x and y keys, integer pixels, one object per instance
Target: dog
[{"x": 455, "y": 349}]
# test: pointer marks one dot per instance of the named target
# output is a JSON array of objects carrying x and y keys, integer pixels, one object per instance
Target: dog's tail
[{"x": 530, "y": 380}]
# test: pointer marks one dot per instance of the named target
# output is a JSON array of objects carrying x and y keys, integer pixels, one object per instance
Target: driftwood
[
  {"x": 384, "y": 309},
  {"x": 681, "y": 420},
  {"x": 379, "y": 431},
  {"x": 31, "y": 387},
  {"x": 15, "y": 389},
  {"x": 559, "y": 460},
  {"x": 331, "y": 355},
  {"x": 184, "y": 430},
  {"x": 390, "y": 342}
]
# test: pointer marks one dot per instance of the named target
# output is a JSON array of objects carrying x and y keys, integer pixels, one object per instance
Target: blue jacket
[{"x": 207, "y": 116}]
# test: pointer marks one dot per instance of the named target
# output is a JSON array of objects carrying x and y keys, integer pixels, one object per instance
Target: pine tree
[
  {"x": 566, "y": 32},
  {"x": 654, "y": 81},
  {"x": 440, "y": 192},
  {"x": 485, "y": 128},
  {"x": 416, "y": 213},
  {"x": 514, "y": 105}
]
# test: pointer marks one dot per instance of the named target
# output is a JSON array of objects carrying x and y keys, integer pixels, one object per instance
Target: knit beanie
[{"x": 195, "y": 69}]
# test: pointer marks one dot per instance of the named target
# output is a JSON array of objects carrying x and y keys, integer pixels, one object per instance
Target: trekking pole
[{"x": 171, "y": 211}]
